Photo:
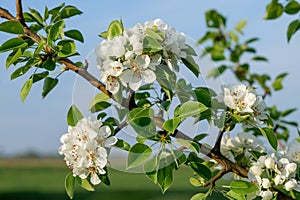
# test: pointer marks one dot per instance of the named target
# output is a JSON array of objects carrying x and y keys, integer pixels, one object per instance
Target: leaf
[
  {"x": 155, "y": 34},
  {"x": 150, "y": 169},
  {"x": 199, "y": 196},
  {"x": 55, "y": 30},
  {"x": 274, "y": 10},
  {"x": 49, "y": 64},
  {"x": 138, "y": 153},
  {"x": 240, "y": 25},
  {"x": 277, "y": 84},
  {"x": 271, "y": 136},
  {"x": 39, "y": 76},
  {"x": 292, "y": 7},
  {"x": 13, "y": 57},
  {"x": 103, "y": 35},
  {"x": 292, "y": 29},
  {"x": 36, "y": 16},
  {"x": 25, "y": 89},
  {"x": 190, "y": 109},
  {"x": 287, "y": 112},
  {"x": 243, "y": 187},
  {"x": 204, "y": 95},
  {"x": 115, "y": 28},
  {"x": 171, "y": 124},
  {"x": 85, "y": 184},
  {"x": 214, "y": 19},
  {"x": 141, "y": 116},
  {"x": 165, "y": 177},
  {"x": 19, "y": 72},
  {"x": 217, "y": 71},
  {"x": 235, "y": 196},
  {"x": 97, "y": 99},
  {"x": 189, "y": 144},
  {"x": 122, "y": 145},
  {"x": 12, "y": 26},
  {"x": 66, "y": 48},
  {"x": 49, "y": 84},
  {"x": 74, "y": 34},
  {"x": 190, "y": 63},
  {"x": 201, "y": 170},
  {"x": 70, "y": 185},
  {"x": 69, "y": 11},
  {"x": 73, "y": 116},
  {"x": 11, "y": 44},
  {"x": 151, "y": 45},
  {"x": 260, "y": 58},
  {"x": 100, "y": 106},
  {"x": 40, "y": 47}
]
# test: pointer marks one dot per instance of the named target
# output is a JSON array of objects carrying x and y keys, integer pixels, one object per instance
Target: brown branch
[
  {"x": 19, "y": 12},
  {"x": 5, "y": 14}
]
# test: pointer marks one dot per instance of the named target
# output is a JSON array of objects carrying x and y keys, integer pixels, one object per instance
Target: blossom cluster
[
  {"x": 124, "y": 58},
  {"x": 241, "y": 144},
  {"x": 243, "y": 99},
  {"x": 84, "y": 148}
]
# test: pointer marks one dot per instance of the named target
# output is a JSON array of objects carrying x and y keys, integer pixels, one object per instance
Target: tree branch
[
  {"x": 19, "y": 12},
  {"x": 5, "y": 14}
]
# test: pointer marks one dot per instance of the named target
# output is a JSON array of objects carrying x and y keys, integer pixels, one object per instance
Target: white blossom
[
  {"x": 265, "y": 183},
  {"x": 293, "y": 151},
  {"x": 266, "y": 195},
  {"x": 84, "y": 148},
  {"x": 270, "y": 163},
  {"x": 290, "y": 185}
]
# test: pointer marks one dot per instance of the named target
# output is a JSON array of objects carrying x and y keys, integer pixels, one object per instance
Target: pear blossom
[
  {"x": 84, "y": 148},
  {"x": 266, "y": 195},
  {"x": 290, "y": 185},
  {"x": 265, "y": 183},
  {"x": 239, "y": 97},
  {"x": 270, "y": 163},
  {"x": 293, "y": 151}
]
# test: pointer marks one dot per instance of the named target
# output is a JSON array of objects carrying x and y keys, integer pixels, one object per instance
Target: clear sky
[{"x": 38, "y": 124}]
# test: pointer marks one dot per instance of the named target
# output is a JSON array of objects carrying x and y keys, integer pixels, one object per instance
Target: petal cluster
[
  {"x": 85, "y": 148},
  {"x": 125, "y": 60}
]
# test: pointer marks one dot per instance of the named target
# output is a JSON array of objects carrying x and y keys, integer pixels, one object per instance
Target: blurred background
[{"x": 30, "y": 167}]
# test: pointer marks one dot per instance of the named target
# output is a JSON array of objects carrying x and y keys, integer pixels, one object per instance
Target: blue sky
[{"x": 37, "y": 124}]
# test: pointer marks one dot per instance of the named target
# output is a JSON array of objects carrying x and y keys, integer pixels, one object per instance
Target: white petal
[
  {"x": 126, "y": 77},
  {"x": 111, "y": 141},
  {"x": 95, "y": 180},
  {"x": 135, "y": 85},
  {"x": 148, "y": 76}
]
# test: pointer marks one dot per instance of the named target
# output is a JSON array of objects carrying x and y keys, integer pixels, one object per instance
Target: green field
[{"x": 43, "y": 179}]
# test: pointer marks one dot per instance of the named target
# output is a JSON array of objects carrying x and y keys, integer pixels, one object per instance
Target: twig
[{"x": 19, "y": 12}]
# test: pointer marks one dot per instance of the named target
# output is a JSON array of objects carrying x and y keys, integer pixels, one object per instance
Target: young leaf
[
  {"x": 191, "y": 108},
  {"x": 19, "y": 72},
  {"x": 171, "y": 124},
  {"x": 189, "y": 144},
  {"x": 56, "y": 30},
  {"x": 292, "y": 29},
  {"x": 277, "y": 84},
  {"x": 274, "y": 10},
  {"x": 243, "y": 187},
  {"x": 36, "y": 16},
  {"x": 73, "y": 116},
  {"x": 199, "y": 196},
  {"x": 271, "y": 136},
  {"x": 240, "y": 26},
  {"x": 13, "y": 57},
  {"x": 138, "y": 153},
  {"x": 74, "y": 34},
  {"x": 190, "y": 63},
  {"x": 150, "y": 169},
  {"x": 85, "y": 184},
  {"x": 101, "y": 97},
  {"x": 49, "y": 64},
  {"x": 11, "y": 44},
  {"x": 141, "y": 116},
  {"x": 114, "y": 29},
  {"x": 66, "y": 48},
  {"x": 165, "y": 177},
  {"x": 25, "y": 89},
  {"x": 292, "y": 7},
  {"x": 151, "y": 45},
  {"x": 70, "y": 185},
  {"x": 49, "y": 84},
  {"x": 12, "y": 26},
  {"x": 69, "y": 11},
  {"x": 122, "y": 145},
  {"x": 39, "y": 76}
]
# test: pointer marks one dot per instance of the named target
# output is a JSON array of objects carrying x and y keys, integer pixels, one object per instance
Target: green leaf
[
  {"x": 19, "y": 72},
  {"x": 288, "y": 112},
  {"x": 13, "y": 57},
  {"x": 204, "y": 95},
  {"x": 151, "y": 45},
  {"x": 103, "y": 34},
  {"x": 260, "y": 58},
  {"x": 214, "y": 19},
  {"x": 150, "y": 169},
  {"x": 114, "y": 29},
  {"x": 155, "y": 34},
  {"x": 101, "y": 97},
  {"x": 69, "y": 11},
  {"x": 85, "y": 184},
  {"x": 201, "y": 170},
  {"x": 277, "y": 84},
  {"x": 39, "y": 76},
  {"x": 271, "y": 136},
  {"x": 46, "y": 13},
  {"x": 40, "y": 47},
  {"x": 74, "y": 34},
  {"x": 171, "y": 124},
  {"x": 240, "y": 25},
  {"x": 100, "y": 106},
  {"x": 235, "y": 196},
  {"x": 49, "y": 64},
  {"x": 141, "y": 116},
  {"x": 11, "y": 44},
  {"x": 70, "y": 185},
  {"x": 274, "y": 10},
  {"x": 12, "y": 26},
  {"x": 243, "y": 187},
  {"x": 25, "y": 89},
  {"x": 138, "y": 154},
  {"x": 292, "y": 29},
  {"x": 66, "y": 48},
  {"x": 49, "y": 84},
  {"x": 56, "y": 30},
  {"x": 189, "y": 144},
  {"x": 36, "y": 16},
  {"x": 217, "y": 71},
  {"x": 122, "y": 145},
  {"x": 190, "y": 63},
  {"x": 292, "y": 7},
  {"x": 165, "y": 177},
  {"x": 73, "y": 116},
  {"x": 199, "y": 196},
  {"x": 190, "y": 109}
]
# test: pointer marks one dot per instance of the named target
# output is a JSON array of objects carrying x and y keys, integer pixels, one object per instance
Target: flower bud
[
  {"x": 270, "y": 163},
  {"x": 266, "y": 195},
  {"x": 265, "y": 183},
  {"x": 290, "y": 185},
  {"x": 255, "y": 170},
  {"x": 279, "y": 180}
]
